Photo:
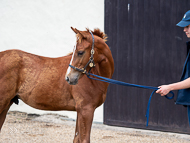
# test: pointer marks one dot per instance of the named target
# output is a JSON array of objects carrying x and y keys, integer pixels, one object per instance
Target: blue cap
[{"x": 185, "y": 20}]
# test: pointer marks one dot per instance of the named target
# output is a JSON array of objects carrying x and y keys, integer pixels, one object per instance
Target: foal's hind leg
[{"x": 3, "y": 114}]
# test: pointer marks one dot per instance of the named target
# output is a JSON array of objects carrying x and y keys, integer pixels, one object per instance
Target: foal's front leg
[
  {"x": 84, "y": 123},
  {"x": 76, "y": 137}
]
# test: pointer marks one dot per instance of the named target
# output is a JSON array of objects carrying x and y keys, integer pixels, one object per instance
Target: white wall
[{"x": 42, "y": 27}]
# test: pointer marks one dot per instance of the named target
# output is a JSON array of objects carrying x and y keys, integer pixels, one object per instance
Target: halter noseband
[{"x": 91, "y": 60}]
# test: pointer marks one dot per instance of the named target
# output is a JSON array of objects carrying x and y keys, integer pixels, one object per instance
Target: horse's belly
[{"x": 49, "y": 102}]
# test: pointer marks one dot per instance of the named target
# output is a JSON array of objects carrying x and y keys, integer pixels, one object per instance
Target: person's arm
[{"x": 165, "y": 89}]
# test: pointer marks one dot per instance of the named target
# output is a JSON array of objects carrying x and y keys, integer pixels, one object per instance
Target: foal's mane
[
  {"x": 99, "y": 33},
  {"x": 96, "y": 32}
]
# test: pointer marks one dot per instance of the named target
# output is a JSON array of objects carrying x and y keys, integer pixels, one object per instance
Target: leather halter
[{"x": 91, "y": 60}]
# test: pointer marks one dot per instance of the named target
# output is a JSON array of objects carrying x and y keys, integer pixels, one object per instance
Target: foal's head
[{"x": 83, "y": 57}]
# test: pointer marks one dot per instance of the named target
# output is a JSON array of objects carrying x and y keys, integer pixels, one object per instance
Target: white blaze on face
[{"x": 69, "y": 68}]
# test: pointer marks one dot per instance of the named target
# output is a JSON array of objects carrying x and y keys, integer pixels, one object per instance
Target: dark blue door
[{"x": 148, "y": 49}]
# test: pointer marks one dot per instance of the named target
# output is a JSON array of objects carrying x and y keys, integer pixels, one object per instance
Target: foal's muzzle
[
  {"x": 71, "y": 82},
  {"x": 73, "y": 77}
]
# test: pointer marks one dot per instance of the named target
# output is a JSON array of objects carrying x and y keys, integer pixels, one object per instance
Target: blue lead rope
[{"x": 108, "y": 80}]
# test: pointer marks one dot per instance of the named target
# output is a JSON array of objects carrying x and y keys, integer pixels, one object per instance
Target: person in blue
[{"x": 183, "y": 86}]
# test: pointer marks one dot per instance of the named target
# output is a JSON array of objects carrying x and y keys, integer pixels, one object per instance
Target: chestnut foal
[{"x": 40, "y": 81}]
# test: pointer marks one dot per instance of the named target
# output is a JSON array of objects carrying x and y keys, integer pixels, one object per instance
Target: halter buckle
[
  {"x": 83, "y": 70},
  {"x": 92, "y": 51}
]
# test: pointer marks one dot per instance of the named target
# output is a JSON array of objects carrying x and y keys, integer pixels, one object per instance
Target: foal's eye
[{"x": 80, "y": 53}]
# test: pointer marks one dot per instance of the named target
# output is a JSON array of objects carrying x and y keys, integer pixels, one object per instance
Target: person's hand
[{"x": 163, "y": 90}]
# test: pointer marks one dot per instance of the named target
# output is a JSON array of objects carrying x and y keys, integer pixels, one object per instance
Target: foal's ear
[
  {"x": 78, "y": 32},
  {"x": 75, "y": 30}
]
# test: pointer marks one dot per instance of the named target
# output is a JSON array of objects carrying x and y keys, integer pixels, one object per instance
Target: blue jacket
[{"x": 183, "y": 96}]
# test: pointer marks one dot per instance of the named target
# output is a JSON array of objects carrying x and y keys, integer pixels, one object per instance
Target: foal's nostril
[{"x": 67, "y": 79}]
